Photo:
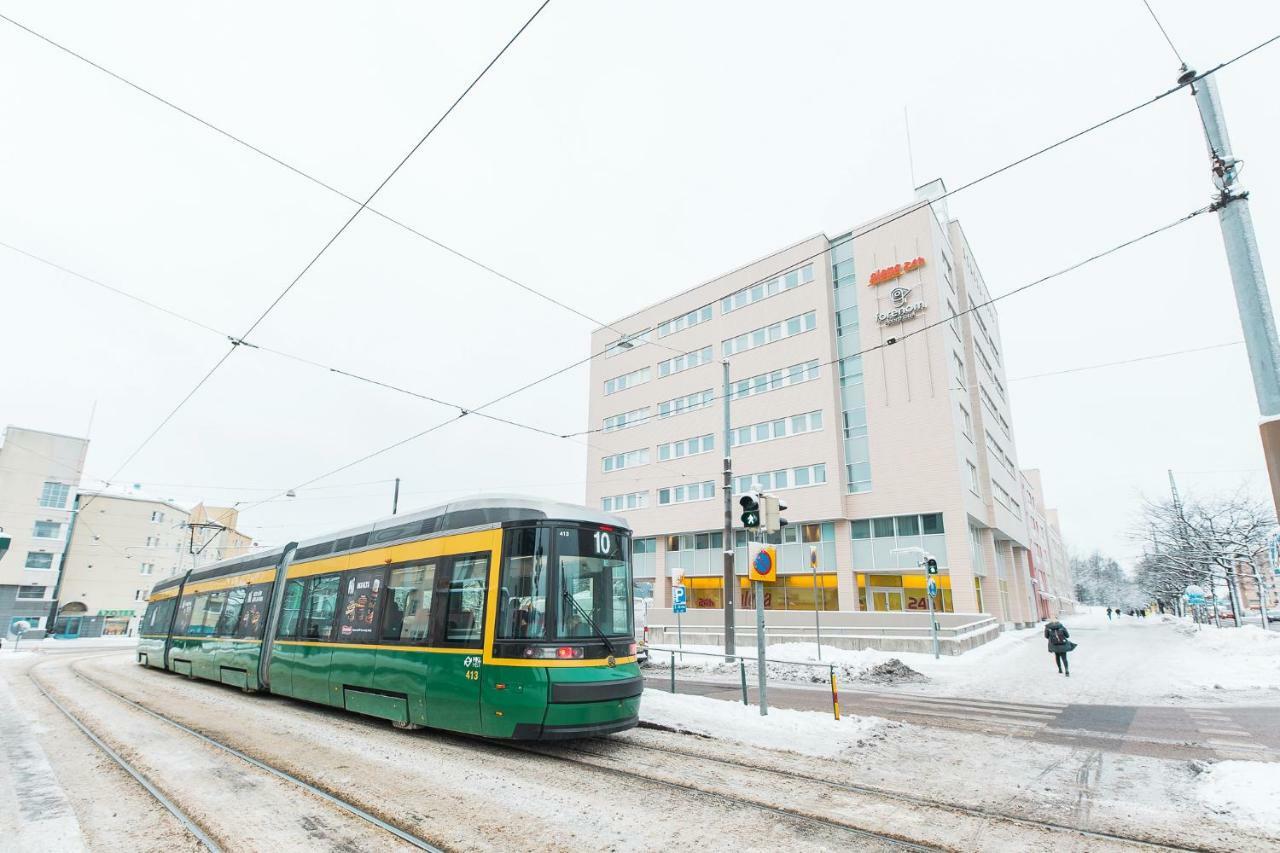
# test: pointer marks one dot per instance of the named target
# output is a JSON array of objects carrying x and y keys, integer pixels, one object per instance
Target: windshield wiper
[{"x": 564, "y": 591}]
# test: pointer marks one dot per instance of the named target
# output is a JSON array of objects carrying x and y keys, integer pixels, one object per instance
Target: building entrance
[{"x": 886, "y": 599}]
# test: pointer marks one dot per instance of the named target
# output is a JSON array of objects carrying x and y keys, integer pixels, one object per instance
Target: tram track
[
  {"x": 928, "y": 802},
  {"x": 198, "y": 828},
  {"x": 1052, "y": 835},
  {"x": 891, "y": 839}
]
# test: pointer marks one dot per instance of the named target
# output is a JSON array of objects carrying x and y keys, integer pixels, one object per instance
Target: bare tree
[{"x": 1212, "y": 543}]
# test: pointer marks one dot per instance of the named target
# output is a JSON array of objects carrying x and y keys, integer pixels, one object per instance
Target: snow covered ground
[
  {"x": 804, "y": 732},
  {"x": 1125, "y": 661},
  {"x": 1245, "y": 791},
  {"x": 49, "y": 644}
]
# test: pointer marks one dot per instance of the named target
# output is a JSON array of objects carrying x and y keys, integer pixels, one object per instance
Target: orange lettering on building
[{"x": 895, "y": 271}]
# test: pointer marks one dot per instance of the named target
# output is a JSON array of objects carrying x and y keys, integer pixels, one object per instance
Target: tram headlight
[{"x": 554, "y": 653}]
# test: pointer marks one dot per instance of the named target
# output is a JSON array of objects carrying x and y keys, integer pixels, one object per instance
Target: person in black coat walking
[{"x": 1059, "y": 644}]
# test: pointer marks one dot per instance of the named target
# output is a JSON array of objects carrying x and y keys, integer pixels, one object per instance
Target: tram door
[{"x": 453, "y": 685}]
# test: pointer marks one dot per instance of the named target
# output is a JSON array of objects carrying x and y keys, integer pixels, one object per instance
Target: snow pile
[
  {"x": 1248, "y": 792},
  {"x": 892, "y": 671},
  {"x": 805, "y": 732}
]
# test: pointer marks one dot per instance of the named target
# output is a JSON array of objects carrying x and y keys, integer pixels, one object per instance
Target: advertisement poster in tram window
[
  {"x": 360, "y": 606},
  {"x": 254, "y": 612}
]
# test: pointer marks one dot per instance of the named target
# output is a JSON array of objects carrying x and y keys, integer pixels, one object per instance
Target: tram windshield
[{"x": 565, "y": 583}]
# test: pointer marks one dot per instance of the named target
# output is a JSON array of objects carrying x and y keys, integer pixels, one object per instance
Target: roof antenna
[{"x": 911, "y": 163}]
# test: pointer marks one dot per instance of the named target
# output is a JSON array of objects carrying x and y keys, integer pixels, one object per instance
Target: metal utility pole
[
  {"x": 1250, "y": 284},
  {"x": 395, "y": 498},
  {"x": 730, "y": 582}
]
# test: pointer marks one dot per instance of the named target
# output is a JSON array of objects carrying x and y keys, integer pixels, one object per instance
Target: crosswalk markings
[{"x": 1227, "y": 732}]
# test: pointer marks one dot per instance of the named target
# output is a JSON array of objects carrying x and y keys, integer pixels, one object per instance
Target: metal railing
[{"x": 742, "y": 672}]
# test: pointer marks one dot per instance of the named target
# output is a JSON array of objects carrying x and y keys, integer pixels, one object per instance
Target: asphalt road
[{"x": 1245, "y": 732}]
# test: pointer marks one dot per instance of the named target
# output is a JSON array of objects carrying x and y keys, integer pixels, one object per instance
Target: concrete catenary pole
[
  {"x": 1245, "y": 263},
  {"x": 730, "y": 585}
]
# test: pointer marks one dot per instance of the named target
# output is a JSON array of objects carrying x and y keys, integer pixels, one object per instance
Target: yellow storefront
[
  {"x": 790, "y": 592},
  {"x": 888, "y": 593}
]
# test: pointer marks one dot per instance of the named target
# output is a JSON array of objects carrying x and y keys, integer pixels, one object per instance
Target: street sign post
[
  {"x": 679, "y": 604},
  {"x": 763, "y": 567},
  {"x": 817, "y": 600},
  {"x": 932, "y": 566}
]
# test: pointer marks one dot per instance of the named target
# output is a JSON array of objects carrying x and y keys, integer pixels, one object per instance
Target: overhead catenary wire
[
  {"x": 1165, "y": 33},
  {"x": 342, "y": 229},
  {"x": 239, "y": 140},
  {"x": 877, "y": 225},
  {"x": 891, "y": 342}
]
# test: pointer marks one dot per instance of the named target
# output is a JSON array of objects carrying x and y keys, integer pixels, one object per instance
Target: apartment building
[
  {"x": 122, "y": 543},
  {"x": 867, "y": 388},
  {"x": 39, "y": 475}
]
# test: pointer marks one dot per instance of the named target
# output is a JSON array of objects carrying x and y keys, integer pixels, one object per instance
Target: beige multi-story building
[
  {"x": 120, "y": 546},
  {"x": 39, "y": 475},
  {"x": 1054, "y": 588},
  {"x": 867, "y": 390},
  {"x": 213, "y": 535}
]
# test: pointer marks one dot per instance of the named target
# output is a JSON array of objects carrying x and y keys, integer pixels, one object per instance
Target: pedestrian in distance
[
  {"x": 1059, "y": 644},
  {"x": 1108, "y": 614}
]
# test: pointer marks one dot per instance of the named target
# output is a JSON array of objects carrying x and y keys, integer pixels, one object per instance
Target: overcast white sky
[{"x": 619, "y": 153}]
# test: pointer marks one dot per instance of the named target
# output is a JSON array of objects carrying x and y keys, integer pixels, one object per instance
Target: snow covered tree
[{"x": 1211, "y": 543}]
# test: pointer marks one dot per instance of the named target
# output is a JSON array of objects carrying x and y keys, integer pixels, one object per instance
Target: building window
[
  {"x": 973, "y": 477},
  {"x": 630, "y": 459},
  {"x": 687, "y": 494},
  {"x": 47, "y": 530},
  {"x": 146, "y": 568},
  {"x": 680, "y": 363},
  {"x": 31, "y": 591},
  {"x": 618, "y": 503},
  {"x": 137, "y": 595},
  {"x": 686, "y": 447},
  {"x": 684, "y": 321},
  {"x": 627, "y": 380},
  {"x": 39, "y": 560},
  {"x": 790, "y": 327},
  {"x": 875, "y": 541},
  {"x": 776, "y": 428},
  {"x": 626, "y": 419},
  {"x": 958, "y": 365},
  {"x": 627, "y": 343},
  {"x": 774, "y": 380},
  {"x": 153, "y": 542},
  {"x": 157, "y": 516},
  {"x": 968, "y": 423},
  {"x": 54, "y": 495},
  {"x": 687, "y": 403},
  {"x": 765, "y": 289},
  {"x": 785, "y": 478}
]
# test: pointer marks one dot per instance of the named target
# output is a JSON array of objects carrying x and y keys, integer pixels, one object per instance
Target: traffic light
[
  {"x": 771, "y": 513},
  {"x": 931, "y": 566},
  {"x": 750, "y": 510}
]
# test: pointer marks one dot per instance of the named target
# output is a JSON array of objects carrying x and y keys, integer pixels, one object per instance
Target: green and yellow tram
[{"x": 502, "y": 617}]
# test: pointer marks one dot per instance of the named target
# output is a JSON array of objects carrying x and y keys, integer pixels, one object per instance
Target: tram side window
[
  {"x": 464, "y": 614},
  {"x": 408, "y": 615},
  {"x": 522, "y": 600},
  {"x": 291, "y": 609},
  {"x": 157, "y": 618},
  {"x": 253, "y": 615},
  {"x": 322, "y": 603},
  {"x": 206, "y": 613},
  {"x": 231, "y": 612},
  {"x": 184, "y": 615}
]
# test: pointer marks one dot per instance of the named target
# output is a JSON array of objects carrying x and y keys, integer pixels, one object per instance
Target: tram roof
[{"x": 468, "y": 513}]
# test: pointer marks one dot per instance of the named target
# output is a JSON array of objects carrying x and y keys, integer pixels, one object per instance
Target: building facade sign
[
  {"x": 902, "y": 310},
  {"x": 895, "y": 271}
]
